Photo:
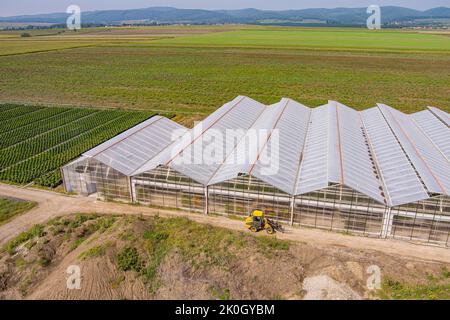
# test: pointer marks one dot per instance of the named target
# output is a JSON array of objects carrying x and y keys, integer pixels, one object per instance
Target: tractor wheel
[
  {"x": 253, "y": 229},
  {"x": 270, "y": 230}
]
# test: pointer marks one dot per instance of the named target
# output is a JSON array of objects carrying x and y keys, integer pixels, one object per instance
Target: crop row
[
  {"x": 6, "y": 107},
  {"x": 29, "y": 118},
  {"x": 51, "y": 179},
  {"x": 31, "y": 147},
  {"x": 33, "y": 129},
  {"x": 52, "y": 159},
  {"x": 17, "y": 112}
]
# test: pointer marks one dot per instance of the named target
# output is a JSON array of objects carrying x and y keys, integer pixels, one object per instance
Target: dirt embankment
[
  {"x": 53, "y": 205},
  {"x": 125, "y": 257}
]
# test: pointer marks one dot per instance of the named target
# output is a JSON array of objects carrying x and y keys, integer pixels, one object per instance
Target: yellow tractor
[{"x": 256, "y": 221}]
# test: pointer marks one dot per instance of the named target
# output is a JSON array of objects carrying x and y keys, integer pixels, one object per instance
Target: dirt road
[{"x": 53, "y": 204}]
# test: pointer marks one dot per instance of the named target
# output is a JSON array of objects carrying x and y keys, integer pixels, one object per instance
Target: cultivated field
[
  {"x": 319, "y": 39},
  {"x": 62, "y": 93},
  {"x": 188, "y": 72},
  {"x": 10, "y": 208},
  {"x": 36, "y": 141},
  {"x": 194, "y": 70}
]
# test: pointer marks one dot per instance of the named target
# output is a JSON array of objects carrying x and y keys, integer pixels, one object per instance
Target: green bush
[
  {"x": 79, "y": 220},
  {"x": 128, "y": 259},
  {"x": 103, "y": 224},
  {"x": 433, "y": 290},
  {"x": 220, "y": 294},
  {"x": 36, "y": 231},
  {"x": 155, "y": 235},
  {"x": 76, "y": 243},
  {"x": 445, "y": 273},
  {"x": 93, "y": 252}
]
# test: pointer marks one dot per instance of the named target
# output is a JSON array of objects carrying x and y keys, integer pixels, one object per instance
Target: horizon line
[{"x": 212, "y": 10}]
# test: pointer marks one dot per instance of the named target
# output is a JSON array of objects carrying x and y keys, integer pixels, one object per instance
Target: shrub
[
  {"x": 36, "y": 231},
  {"x": 393, "y": 289},
  {"x": 96, "y": 251},
  {"x": 155, "y": 235},
  {"x": 103, "y": 224},
  {"x": 128, "y": 259},
  {"x": 44, "y": 261},
  {"x": 220, "y": 294},
  {"x": 445, "y": 273},
  {"x": 76, "y": 243},
  {"x": 79, "y": 220}
]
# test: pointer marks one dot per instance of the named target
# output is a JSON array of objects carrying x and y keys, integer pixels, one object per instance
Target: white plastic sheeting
[
  {"x": 291, "y": 126},
  {"x": 202, "y": 151},
  {"x": 336, "y": 151},
  {"x": 313, "y": 171},
  {"x": 133, "y": 148},
  {"x": 437, "y": 132},
  {"x": 245, "y": 154},
  {"x": 429, "y": 162},
  {"x": 398, "y": 175},
  {"x": 359, "y": 170},
  {"x": 383, "y": 153},
  {"x": 442, "y": 115}
]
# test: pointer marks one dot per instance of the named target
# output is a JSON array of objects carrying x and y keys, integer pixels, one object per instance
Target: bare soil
[
  {"x": 244, "y": 267},
  {"x": 53, "y": 204},
  {"x": 210, "y": 258}
]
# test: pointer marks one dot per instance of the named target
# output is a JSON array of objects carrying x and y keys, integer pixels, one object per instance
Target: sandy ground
[
  {"x": 53, "y": 204},
  {"x": 325, "y": 288}
]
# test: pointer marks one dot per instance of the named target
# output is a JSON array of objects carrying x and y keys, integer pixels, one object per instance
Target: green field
[
  {"x": 192, "y": 71},
  {"x": 36, "y": 141},
  {"x": 10, "y": 208},
  {"x": 189, "y": 72},
  {"x": 320, "y": 38}
]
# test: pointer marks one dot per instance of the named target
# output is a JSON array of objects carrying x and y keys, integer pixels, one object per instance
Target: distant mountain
[
  {"x": 168, "y": 15},
  {"x": 438, "y": 12},
  {"x": 161, "y": 14}
]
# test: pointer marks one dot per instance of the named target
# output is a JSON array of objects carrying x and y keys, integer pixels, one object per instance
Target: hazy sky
[{"x": 18, "y": 7}]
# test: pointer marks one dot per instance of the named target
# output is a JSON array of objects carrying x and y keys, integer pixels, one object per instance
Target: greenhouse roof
[
  {"x": 137, "y": 146},
  {"x": 392, "y": 157}
]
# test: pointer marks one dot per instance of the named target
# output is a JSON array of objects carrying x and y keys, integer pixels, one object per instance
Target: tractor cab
[
  {"x": 257, "y": 221},
  {"x": 257, "y": 217}
]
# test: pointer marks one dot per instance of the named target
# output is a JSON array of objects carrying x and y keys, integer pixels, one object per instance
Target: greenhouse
[{"x": 377, "y": 172}]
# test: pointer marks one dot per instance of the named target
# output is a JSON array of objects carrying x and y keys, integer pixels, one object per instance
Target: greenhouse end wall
[
  {"x": 87, "y": 176},
  {"x": 336, "y": 208}
]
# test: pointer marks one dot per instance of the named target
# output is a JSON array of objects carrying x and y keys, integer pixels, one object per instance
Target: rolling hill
[{"x": 168, "y": 15}]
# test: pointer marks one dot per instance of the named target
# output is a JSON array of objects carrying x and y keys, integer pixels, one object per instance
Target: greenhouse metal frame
[{"x": 377, "y": 172}]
